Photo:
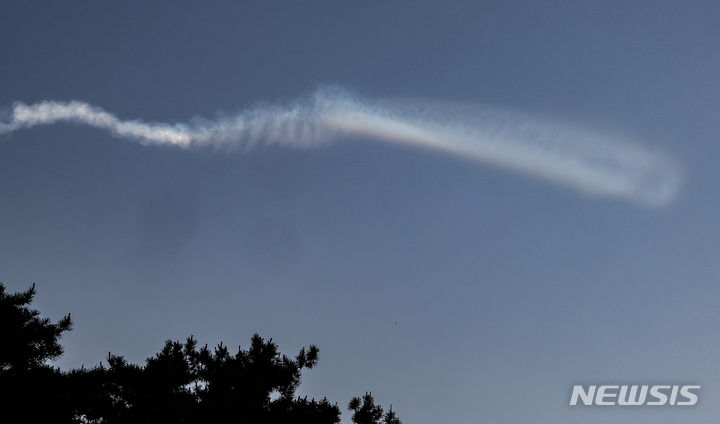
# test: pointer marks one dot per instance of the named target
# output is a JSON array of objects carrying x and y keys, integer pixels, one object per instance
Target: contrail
[{"x": 590, "y": 163}]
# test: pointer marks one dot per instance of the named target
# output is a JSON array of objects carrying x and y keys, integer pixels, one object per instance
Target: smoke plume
[{"x": 590, "y": 163}]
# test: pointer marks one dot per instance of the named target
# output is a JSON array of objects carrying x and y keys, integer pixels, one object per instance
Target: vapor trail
[{"x": 593, "y": 164}]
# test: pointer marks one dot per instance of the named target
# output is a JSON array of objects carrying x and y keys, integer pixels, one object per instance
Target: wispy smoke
[{"x": 593, "y": 164}]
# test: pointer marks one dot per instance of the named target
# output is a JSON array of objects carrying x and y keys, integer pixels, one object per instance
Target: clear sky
[{"x": 457, "y": 292}]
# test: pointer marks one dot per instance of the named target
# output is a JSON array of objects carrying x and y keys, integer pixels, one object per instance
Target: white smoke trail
[{"x": 592, "y": 164}]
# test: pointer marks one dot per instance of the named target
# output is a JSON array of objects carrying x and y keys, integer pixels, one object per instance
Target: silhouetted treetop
[
  {"x": 28, "y": 341},
  {"x": 366, "y": 412},
  {"x": 182, "y": 383}
]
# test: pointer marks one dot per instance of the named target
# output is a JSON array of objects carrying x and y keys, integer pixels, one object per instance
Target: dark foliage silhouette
[
  {"x": 29, "y": 340},
  {"x": 183, "y": 383},
  {"x": 30, "y": 389},
  {"x": 366, "y": 412}
]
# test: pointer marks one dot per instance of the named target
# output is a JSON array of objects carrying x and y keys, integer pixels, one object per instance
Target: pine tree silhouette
[
  {"x": 180, "y": 384},
  {"x": 30, "y": 389},
  {"x": 29, "y": 341},
  {"x": 366, "y": 412}
]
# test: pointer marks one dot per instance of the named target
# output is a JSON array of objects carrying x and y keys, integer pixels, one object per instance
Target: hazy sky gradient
[{"x": 505, "y": 290}]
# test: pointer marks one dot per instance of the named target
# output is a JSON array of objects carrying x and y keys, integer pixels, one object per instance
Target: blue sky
[{"x": 506, "y": 290}]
